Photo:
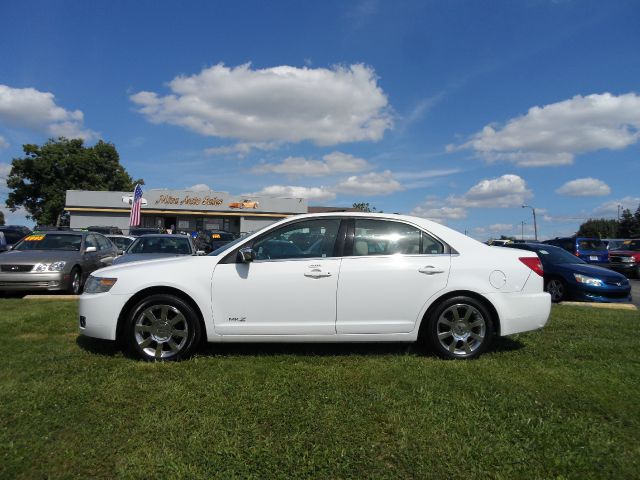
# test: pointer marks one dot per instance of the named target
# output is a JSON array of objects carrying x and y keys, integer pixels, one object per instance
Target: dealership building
[{"x": 180, "y": 210}]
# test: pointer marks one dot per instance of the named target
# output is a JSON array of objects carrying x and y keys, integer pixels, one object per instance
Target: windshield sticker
[
  {"x": 34, "y": 238},
  {"x": 215, "y": 235},
  {"x": 627, "y": 242}
]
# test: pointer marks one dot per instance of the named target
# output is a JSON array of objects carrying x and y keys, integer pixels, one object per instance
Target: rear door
[{"x": 392, "y": 270}]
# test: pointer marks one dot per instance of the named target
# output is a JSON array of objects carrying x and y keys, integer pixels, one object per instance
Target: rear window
[{"x": 591, "y": 244}]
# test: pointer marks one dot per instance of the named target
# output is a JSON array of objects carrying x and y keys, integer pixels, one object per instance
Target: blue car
[
  {"x": 567, "y": 277},
  {"x": 591, "y": 250}
]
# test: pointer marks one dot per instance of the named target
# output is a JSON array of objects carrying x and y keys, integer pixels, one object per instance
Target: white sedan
[{"x": 338, "y": 277}]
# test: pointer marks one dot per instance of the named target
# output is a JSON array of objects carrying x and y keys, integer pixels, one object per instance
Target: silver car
[
  {"x": 54, "y": 261},
  {"x": 150, "y": 247}
]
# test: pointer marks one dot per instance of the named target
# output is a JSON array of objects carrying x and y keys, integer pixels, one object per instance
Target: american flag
[{"x": 134, "y": 218}]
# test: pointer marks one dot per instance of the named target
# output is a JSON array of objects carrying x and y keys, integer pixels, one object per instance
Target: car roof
[
  {"x": 64, "y": 232},
  {"x": 162, "y": 235}
]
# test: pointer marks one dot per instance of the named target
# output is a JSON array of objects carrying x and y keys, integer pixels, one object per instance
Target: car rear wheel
[
  {"x": 75, "y": 282},
  {"x": 162, "y": 327},
  {"x": 557, "y": 289},
  {"x": 461, "y": 327}
]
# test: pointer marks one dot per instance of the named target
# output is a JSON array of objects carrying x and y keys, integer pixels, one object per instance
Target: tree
[
  {"x": 40, "y": 179},
  {"x": 364, "y": 207},
  {"x": 599, "y": 228},
  {"x": 627, "y": 224}
]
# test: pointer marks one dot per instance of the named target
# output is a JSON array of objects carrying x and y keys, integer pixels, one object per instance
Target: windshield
[
  {"x": 50, "y": 241},
  {"x": 633, "y": 245},
  {"x": 556, "y": 255},
  {"x": 591, "y": 244},
  {"x": 178, "y": 245},
  {"x": 121, "y": 242}
]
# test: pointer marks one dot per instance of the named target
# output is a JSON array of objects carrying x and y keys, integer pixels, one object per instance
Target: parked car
[
  {"x": 244, "y": 204},
  {"x": 54, "y": 261},
  {"x": 627, "y": 259},
  {"x": 591, "y": 250},
  {"x": 139, "y": 231},
  {"x": 210, "y": 240},
  {"x": 105, "y": 230},
  {"x": 121, "y": 242},
  {"x": 567, "y": 277},
  {"x": 12, "y": 235},
  {"x": 149, "y": 247},
  {"x": 365, "y": 277}
]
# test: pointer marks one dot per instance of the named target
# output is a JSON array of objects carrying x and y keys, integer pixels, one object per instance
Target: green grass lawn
[{"x": 563, "y": 402}]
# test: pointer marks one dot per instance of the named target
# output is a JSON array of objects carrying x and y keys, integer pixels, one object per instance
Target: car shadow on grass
[{"x": 111, "y": 349}]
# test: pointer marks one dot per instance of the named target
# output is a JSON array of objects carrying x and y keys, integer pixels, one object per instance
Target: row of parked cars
[
  {"x": 61, "y": 259},
  {"x": 588, "y": 269}
]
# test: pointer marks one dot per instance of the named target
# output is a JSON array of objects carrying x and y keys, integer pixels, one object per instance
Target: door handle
[
  {"x": 317, "y": 274},
  {"x": 429, "y": 270}
]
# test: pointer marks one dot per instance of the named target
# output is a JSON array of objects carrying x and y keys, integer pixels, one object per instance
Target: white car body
[{"x": 373, "y": 298}]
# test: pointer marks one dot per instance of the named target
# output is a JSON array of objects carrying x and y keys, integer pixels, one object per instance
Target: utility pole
[
  {"x": 535, "y": 224},
  {"x": 522, "y": 231}
]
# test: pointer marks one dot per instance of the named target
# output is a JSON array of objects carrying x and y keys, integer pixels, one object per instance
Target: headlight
[
  {"x": 627, "y": 259},
  {"x": 99, "y": 284},
  {"x": 49, "y": 267},
  {"x": 594, "y": 282}
]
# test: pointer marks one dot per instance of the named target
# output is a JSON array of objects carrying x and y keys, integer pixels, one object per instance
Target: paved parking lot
[{"x": 635, "y": 292}]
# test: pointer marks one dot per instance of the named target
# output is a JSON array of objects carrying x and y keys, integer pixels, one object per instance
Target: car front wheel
[
  {"x": 461, "y": 327},
  {"x": 162, "y": 327},
  {"x": 75, "y": 282}
]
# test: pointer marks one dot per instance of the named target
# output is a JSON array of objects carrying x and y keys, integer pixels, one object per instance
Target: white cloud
[
  {"x": 332, "y": 163},
  {"x": 199, "y": 187},
  {"x": 310, "y": 193},
  {"x": 373, "y": 183},
  {"x": 439, "y": 214},
  {"x": 35, "y": 110},
  {"x": 501, "y": 227},
  {"x": 278, "y": 104},
  {"x": 610, "y": 208},
  {"x": 553, "y": 134},
  {"x": 3, "y": 143},
  {"x": 503, "y": 192},
  {"x": 241, "y": 149},
  {"x": 584, "y": 187}
]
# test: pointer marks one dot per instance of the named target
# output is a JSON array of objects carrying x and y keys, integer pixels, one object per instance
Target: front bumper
[
  {"x": 29, "y": 281},
  {"x": 604, "y": 295},
  {"x": 624, "y": 267},
  {"x": 98, "y": 314}
]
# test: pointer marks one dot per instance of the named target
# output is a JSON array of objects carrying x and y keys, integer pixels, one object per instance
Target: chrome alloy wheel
[
  {"x": 556, "y": 290},
  {"x": 461, "y": 329},
  {"x": 75, "y": 283},
  {"x": 161, "y": 331}
]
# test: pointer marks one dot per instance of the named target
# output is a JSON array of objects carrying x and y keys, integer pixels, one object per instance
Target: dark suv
[{"x": 591, "y": 250}]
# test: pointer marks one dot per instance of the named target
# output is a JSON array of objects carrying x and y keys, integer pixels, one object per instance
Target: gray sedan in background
[{"x": 54, "y": 261}]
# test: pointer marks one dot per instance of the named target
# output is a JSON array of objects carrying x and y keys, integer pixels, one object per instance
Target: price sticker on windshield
[
  {"x": 215, "y": 235},
  {"x": 34, "y": 238}
]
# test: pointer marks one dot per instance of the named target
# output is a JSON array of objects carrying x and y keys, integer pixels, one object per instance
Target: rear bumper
[
  {"x": 521, "y": 312},
  {"x": 33, "y": 281},
  {"x": 98, "y": 314}
]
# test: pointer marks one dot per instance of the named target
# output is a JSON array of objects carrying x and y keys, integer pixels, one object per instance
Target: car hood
[
  {"x": 139, "y": 257},
  {"x": 22, "y": 257},
  {"x": 593, "y": 271}
]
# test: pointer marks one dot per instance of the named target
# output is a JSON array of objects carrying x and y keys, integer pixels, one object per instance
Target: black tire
[
  {"x": 459, "y": 328},
  {"x": 74, "y": 287},
  {"x": 557, "y": 288},
  {"x": 174, "y": 335}
]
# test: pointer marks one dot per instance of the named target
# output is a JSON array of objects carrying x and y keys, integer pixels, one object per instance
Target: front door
[
  {"x": 289, "y": 289},
  {"x": 393, "y": 270}
]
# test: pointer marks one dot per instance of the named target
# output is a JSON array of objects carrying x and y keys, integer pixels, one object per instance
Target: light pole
[
  {"x": 522, "y": 231},
  {"x": 535, "y": 225}
]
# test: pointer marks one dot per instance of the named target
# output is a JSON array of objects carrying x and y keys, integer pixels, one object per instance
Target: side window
[
  {"x": 90, "y": 241},
  {"x": 307, "y": 239},
  {"x": 381, "y": 237},
  {"x": 430, "y": 245},
  {"x": 103, "y": 243}
]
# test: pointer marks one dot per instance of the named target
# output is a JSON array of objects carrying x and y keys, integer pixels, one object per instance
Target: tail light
[{"x": 534, "y": 264}]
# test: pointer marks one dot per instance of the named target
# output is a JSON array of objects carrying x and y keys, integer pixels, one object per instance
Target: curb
[
  {"x": 610, "y": 306},
  {"x": 51, "y": 297}
]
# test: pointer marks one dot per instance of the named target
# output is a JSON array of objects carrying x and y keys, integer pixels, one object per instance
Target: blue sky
[{"x": 456, "y": 111}]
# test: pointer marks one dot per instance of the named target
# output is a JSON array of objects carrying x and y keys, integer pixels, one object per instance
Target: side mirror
[
  {"x": 90, "y": 250},
  {"x": 201, "y": 253},
  {"x": 246, "y": 255}
]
